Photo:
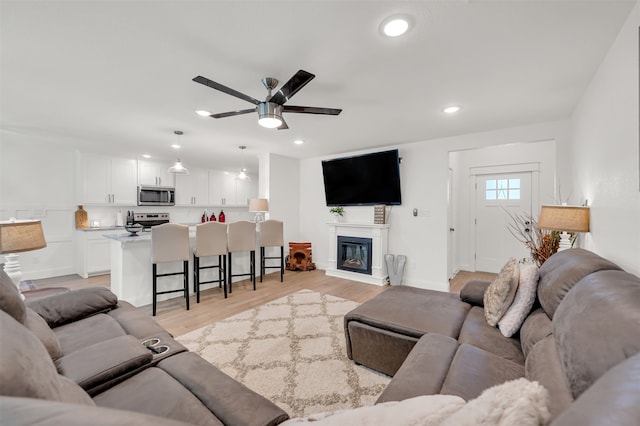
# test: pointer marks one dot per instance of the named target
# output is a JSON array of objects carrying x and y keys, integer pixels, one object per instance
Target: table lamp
[
  {"x": 258, "y": 206},
  {"x": 17, "y": 236},
  {"x": 564, "y": 219}
]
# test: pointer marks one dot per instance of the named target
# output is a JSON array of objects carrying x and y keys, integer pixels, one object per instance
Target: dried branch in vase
[{"x": 541, "y": 242}]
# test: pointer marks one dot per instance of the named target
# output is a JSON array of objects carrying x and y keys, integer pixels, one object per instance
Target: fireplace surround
[{"x": 378, "y": 235}]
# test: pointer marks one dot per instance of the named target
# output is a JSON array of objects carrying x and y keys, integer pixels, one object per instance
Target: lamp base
[
  {"x": 259, "y": 217},
  {"x": 565, "y": 241},
  {"x": 12, "y": 269}
]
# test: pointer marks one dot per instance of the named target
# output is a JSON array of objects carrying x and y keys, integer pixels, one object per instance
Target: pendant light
[
  {"x": 178, "y": 168},
  {"x": 243, "y": 172}
]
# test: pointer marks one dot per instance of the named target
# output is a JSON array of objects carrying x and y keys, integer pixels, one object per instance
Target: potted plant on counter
[{"x": 337, "y": 212}]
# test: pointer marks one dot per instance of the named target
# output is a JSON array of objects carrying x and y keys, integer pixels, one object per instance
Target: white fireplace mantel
[{"x": 379, "y": 234}]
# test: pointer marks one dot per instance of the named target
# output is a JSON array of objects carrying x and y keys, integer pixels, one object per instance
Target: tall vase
[{"x": 82, "y": 219}]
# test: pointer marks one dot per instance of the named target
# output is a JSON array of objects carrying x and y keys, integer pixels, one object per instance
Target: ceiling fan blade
[
  {"x": 291, "y": 87},
  {"x": 283, "y": 126},
  {"x": 225, "y": 89},
  {"x": 232, "y": 113},
  {"x": 311, "y": 110}
]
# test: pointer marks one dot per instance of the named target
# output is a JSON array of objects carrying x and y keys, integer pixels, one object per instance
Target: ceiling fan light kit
[{"x": 271, "y": 109}]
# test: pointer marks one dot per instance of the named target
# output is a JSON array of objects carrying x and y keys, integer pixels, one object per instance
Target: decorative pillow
[
  {"x": 10, "y": 298},
  {"x": 522, "y": 302},
  {"x": 501, "y": 292},
  {"x": 518, "y": 402}
]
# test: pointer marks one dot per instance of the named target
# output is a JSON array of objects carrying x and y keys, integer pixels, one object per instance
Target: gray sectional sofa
[
  {"x": 83, "y": 357},
  {"x": 581, "y": 341}
]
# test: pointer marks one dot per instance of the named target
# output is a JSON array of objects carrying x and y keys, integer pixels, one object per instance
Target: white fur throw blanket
[{"x": 518, "y": 402}]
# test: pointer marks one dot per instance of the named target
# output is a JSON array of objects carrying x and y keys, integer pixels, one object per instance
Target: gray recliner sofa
[
  {"x": 83, "y": 357},
  {"x": 581, "y": 342}
]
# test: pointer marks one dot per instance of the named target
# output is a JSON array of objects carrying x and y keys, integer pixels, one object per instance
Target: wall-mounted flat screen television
[{"x": 363, "y": 179}]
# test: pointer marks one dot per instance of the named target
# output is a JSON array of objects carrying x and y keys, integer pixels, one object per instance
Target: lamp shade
[
  {"x": 564, "y": 218},
  {"x": 258, "y": 205},
  {"x": 21, "y": 235}
]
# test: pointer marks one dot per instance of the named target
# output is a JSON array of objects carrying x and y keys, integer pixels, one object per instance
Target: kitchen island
[{"x": 131, "y": 276}]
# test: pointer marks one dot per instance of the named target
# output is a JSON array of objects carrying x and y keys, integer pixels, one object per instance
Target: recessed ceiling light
[
  {"x": 176, "y": 146},
  {"x": 203, "y": 113},
  {"x": 298, "y": 141},
  {"x": 146, "y": 155},
  {"x": 395, "y": 26},
  {"x": 452, "y": 109}
]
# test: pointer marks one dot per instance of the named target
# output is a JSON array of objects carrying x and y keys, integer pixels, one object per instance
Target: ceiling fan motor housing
[{"x": 269, "y": 112}]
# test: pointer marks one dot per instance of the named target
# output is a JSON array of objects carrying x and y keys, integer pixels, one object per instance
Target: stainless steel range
[{"x": 147, "y": 220}]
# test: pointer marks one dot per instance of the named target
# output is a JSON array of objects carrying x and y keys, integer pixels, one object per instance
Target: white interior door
[
  {"x": 451, "y": 252},
  {"x": 497, "y": 194}
]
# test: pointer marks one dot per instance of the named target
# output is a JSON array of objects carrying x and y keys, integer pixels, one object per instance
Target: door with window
[{"x": 497, "y": 196}]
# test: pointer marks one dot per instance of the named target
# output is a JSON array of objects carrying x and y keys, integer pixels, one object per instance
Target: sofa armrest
[
  {"x": 473, "y": 292},
  {"x": 74, "y": 305},
  {"x": 103, "y": 362},
  {"x": 30, "y": 411},
  {"x": 229, "y": 400}
]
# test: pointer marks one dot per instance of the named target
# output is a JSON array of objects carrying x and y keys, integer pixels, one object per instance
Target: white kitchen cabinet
[
  {"x": 108, "y": 180},
  {"x": 94, "y": 252},
  {"x": 193, "y": 189},
  {"x": 154, "y": 174},
  {"x": 225, "y": 189}
]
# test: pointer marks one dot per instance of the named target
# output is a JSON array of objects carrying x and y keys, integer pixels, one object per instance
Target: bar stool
[
  {"x": 170, "y": 243},
  {"x": 271, "y": 235},
  {"x": 211, "y": 240},
  {"x": 241, "y": 236}
]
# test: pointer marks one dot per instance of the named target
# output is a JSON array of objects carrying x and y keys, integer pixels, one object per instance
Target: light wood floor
[{"x": 173, "y": 316}]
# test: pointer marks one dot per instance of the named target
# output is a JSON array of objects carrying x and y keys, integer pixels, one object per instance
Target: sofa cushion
[
  {"x": 10, "y": 298},
  {"x": 597, "y": 326},
  {"x": 500, "y": 293},
  {"x": 473, "y": 370},
  {"x": 29, "y": 412},
  {"x": 424, "y": 370},
  {"x": 523, "y": 301},
  {"x": 473, "y": 292},
  {"x": 103, "y": 362},
  {"x": 156, "y": 393},
  {"x": 612, "y": 400},
  {"x": 535, "y": 327},
  {"x": 135, "y": 322},
  {"x": 26, "y": 369},
  {"x": 74, "y": 305},
  {"x": 477, "y": 332},
  {"x": 231, "y": 401},
  {"x": 38, "y": 326},
  {"x": 543, "y": 366},
  {"x": 87, "y": 332},
  {"x": 560, "y": 272},
  {"x": 413, "y": 312}
]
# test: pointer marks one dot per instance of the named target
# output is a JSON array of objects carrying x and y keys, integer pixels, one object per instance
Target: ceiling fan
[{"x": 270, "y": 110}]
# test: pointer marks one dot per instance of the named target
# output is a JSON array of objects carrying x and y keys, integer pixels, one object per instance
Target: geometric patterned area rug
[{"x": 291, "y": 351}]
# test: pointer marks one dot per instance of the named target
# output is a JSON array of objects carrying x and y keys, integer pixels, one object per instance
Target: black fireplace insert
[{"x": 354, "y": 254}]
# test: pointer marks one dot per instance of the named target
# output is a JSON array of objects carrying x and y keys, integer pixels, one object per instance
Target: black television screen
[{"x": 363, "y": 180}]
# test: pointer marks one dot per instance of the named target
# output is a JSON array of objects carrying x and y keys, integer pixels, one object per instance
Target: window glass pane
[
  {"x": 491, "y": 184},
  {"x": 514, "y": 183},
  {"x": 491, "y": 195},
  {"x": 502, "y": 183},
  {"x": 502, "y": 194},
  {"x": 514, "y": 194}
]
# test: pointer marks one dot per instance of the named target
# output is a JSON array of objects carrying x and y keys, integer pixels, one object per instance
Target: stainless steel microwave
[{"x": 156, "y": 196}]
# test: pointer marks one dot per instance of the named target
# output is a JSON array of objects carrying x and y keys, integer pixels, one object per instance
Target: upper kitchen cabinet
[
  {"x": 154, "y": 174},
  {"x": 108, "y": 180},
  {"x": 193, "y": 189},
  {"x": 225, "y": 189}
]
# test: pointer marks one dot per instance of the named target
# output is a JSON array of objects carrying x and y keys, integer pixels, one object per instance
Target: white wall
[
  {"x": 37, "y": 181},
  {"x": 424, "y": 175},
  {"x": 542, "y": 154},
  {"x": 605, "y": 145}
]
